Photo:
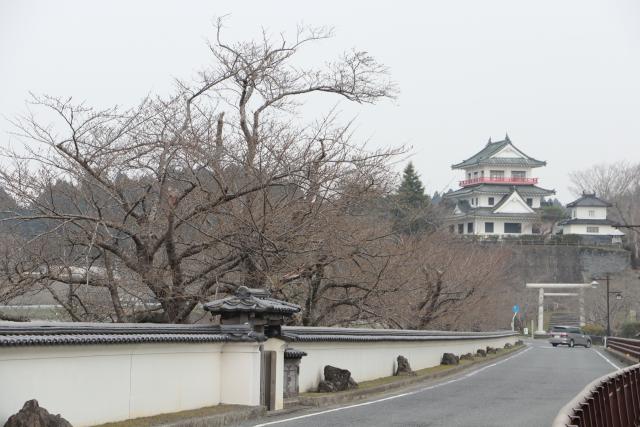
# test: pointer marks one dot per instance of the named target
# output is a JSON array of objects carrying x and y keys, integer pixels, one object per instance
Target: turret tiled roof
[
  {"x": 586, "y": 221},
  {"x": 484, "y": 157},
  {"x": 589, "y": 200}
]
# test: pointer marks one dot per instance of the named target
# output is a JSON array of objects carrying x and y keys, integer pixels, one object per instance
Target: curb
[
  {"x": 219, "y": 420},
  {"x": 232, "y": 416},
  {"x": 351, "y": 395}
]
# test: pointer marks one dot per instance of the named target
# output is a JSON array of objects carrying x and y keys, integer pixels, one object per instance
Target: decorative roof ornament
[
  {"x": 251, "y": 300},
  {"x": 489, "y": 142},
  {"x": 506, "y": 137},
  {"x": 254, "y": 307}
]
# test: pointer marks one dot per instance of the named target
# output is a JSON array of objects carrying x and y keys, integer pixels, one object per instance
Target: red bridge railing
[{"x": 612, "y": 400}]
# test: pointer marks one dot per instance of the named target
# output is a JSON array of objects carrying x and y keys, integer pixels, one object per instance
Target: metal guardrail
[
  {"x": 611, "y": 400},
  {"x": 625, "y": 345}
]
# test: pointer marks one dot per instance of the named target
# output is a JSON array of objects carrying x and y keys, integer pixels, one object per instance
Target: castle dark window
[
  {"x": 512, "y": 227},
  {"x": 488, "y": 227},
  {"x": 470, "y": 228},
  {"x": 492, "y": 201},
  {"x": 460, "y": 228},
  {"x": 530, "y": 202}
]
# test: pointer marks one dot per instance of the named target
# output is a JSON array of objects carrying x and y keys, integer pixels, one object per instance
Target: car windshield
[{"x": 559, "y": 329}]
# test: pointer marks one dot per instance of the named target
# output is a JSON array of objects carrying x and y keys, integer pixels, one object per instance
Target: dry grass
[{"x": 175, "y": 416}]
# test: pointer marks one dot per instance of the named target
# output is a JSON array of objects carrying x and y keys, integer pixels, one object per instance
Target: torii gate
[{"x": 542, "y": 293}]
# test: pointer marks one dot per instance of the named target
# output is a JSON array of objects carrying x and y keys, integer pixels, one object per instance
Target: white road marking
[
  {"x": 608, "y": 361},
  {"x": 342, "y": 408}
]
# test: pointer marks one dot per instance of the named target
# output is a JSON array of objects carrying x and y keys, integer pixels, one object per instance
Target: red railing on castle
[{"x": 501, "y": 180}]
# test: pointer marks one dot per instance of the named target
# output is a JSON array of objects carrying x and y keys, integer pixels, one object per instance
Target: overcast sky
[{"x": 561, "y": 77}]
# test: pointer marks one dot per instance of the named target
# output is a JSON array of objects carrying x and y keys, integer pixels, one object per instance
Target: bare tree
[{"x": 161, "y": 206}]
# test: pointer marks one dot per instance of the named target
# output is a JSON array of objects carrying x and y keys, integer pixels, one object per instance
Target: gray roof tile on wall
[
  {"x": 57, "y": 333},
  {"x": 319, "y": 334}
]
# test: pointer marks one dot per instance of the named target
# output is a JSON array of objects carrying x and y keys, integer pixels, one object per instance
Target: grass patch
[{"x": 175, "y": 416}]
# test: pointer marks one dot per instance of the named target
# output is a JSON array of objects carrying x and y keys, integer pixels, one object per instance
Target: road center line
[
  {"x": 396, "y": 396},
  {"x": 608, "y": 361}
]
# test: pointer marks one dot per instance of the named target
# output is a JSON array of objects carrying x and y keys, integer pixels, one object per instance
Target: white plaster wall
[
  {"x": 371, "y": 360},
  {"x": 583, "y": 212},
  {"x": 94, "y": 384},
  {"x": 240, "y": 373}
]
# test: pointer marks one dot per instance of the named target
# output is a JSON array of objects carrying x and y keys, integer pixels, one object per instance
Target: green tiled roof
[
  {"x": 499, "y": 189},
  {"x": 488, "y": 213},
  {"x": 483, "y": 157}
]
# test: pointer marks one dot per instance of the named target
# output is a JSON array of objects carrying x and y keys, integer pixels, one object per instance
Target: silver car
[{"x": 568, "y": 335}]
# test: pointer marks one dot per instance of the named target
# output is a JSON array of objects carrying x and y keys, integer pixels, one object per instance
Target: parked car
[{"x": 568, "y": 335}]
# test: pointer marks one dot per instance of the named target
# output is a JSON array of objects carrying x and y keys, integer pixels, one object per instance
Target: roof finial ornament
[
  {"x": 489, "y": 142},
  {"x": 506, "y": 137}
]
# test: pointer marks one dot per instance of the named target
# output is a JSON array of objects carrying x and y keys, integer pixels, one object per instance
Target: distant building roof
[
  {"x": 484, "y": 157},
  {"x": 589, "y": 200}
]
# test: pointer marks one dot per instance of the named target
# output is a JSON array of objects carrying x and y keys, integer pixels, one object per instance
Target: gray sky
[{"x": 562, "y": 77}]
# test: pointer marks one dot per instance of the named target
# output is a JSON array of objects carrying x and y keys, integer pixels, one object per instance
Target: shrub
[
  {"x": 594, "y": 329},
  {"x": 630, "y": 329}
]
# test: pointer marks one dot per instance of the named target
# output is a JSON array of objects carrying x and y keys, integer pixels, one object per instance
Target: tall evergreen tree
[
  {"x": 412, "y": 205},
  {"x": 411, "y": 190}
]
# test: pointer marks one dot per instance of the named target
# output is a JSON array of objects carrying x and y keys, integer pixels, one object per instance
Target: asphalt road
[{"x": 525, "y": 389}]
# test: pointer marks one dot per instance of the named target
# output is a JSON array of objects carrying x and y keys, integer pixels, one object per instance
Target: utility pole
[
  {"x": 608, "y": 293},
  {"x": 608, "y": 314}
]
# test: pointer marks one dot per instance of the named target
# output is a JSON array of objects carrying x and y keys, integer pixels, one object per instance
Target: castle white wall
[
  {"x": 603, "y": 230},
  {"x": 487, "y": 171},
  {"x": 371, "y": 360},
  {"x": 589, "y": 212},
  {"x": 498, "y": 226}
]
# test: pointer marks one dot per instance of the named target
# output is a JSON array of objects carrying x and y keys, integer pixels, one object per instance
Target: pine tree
[
  {"x": 411, "y": 190},
  {"x": 411, "y": 204}
]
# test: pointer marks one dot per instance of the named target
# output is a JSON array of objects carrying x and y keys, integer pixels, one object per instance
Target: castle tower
[{"x": 499, "y": 193}]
